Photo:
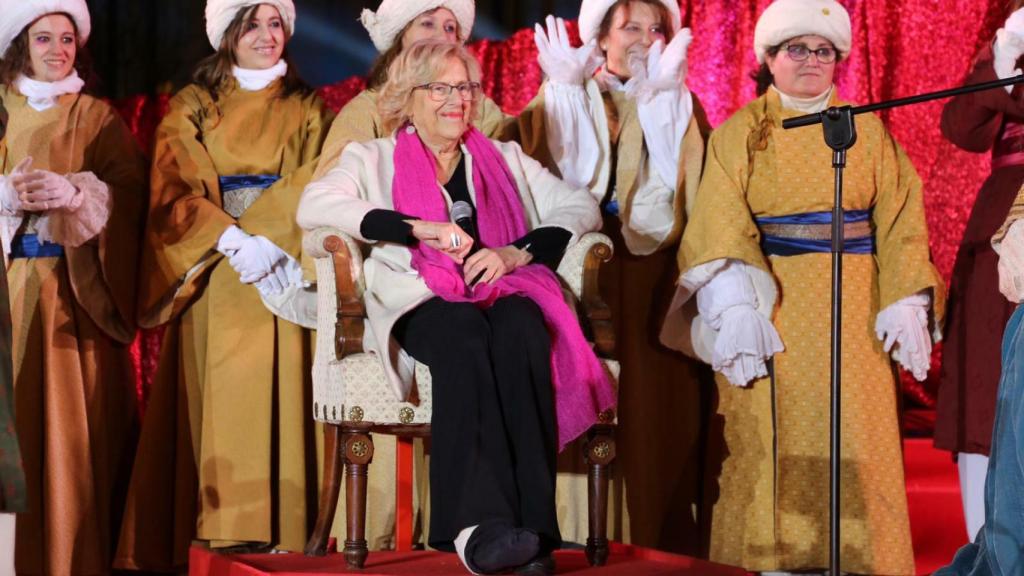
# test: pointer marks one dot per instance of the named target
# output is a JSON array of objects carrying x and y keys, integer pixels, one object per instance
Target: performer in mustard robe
[
  {"x": 71, "y": 214},
  {"x": 762, "y": 220},
  {"x": 231, "y": 400}
]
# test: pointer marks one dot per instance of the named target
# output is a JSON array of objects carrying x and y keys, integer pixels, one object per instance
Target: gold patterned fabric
[
  {"x": 229, "y": 408},
  {"x": 769, "y": 442}
]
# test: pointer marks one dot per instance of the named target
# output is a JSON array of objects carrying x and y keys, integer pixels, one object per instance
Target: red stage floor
[
  {"x": 933, "y": 496},
  {"x": 624, "y": 561}
]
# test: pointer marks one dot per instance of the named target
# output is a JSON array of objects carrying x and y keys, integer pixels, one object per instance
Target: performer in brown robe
[{"x": 70, "y": 220}]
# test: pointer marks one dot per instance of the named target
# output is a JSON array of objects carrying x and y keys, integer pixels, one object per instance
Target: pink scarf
[{"x": 582, "y": 388}]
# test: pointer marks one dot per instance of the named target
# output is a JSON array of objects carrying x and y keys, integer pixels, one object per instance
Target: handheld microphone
[{"x": 462, "y": 215}]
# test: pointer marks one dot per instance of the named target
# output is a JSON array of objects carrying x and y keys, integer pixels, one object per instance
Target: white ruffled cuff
[
  {"x": 664, "y": 119},
  {"x": 83, "y": 218},
  {"x": 571, "y": 133},
  {"x": 9, "y": 204}
]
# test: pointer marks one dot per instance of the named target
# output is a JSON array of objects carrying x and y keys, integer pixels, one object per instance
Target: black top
[{"x": 546, "y": 244}]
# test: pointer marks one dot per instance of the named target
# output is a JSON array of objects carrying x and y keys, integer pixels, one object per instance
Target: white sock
[
  {"x": 460, "y": 546},
  {"x": 7, "y": 544},
  {"x": 973, "y": 469}
]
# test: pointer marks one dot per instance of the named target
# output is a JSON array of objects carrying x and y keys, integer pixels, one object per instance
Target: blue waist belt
[
  {"x": 28, "y": 246},
  {"x": 811, "y": 232},
  {"x": 261, "y": 181}
]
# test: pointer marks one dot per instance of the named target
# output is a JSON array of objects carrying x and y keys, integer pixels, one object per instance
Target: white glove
[
  {"x": 42, "y": 190},
  {"x": 746, "y": 339},
  {"x": 1015, "y": 23},
  {"x": 1006, "y": 50},
  {"x": 665, "y": 70},
  {"x": 559, "y": 60},
  {"x": 903, "y": 327},
  {"x": 231, "y": 240},
  {"x": 1011, "y": 263},
  {"x": 253, "y": 257},
  {"x": 285, "y": 274},
  {"x": 10, "y": 204}
]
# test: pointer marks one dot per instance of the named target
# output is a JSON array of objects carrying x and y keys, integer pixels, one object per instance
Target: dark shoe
[
  {"x": 497, "y": 546},
  {"x": 543, "y": 566}
]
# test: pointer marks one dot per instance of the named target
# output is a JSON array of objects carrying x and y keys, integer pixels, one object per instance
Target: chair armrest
[
  {"x": 340, "y": 310},
  {"x": 579, "y": 269}
]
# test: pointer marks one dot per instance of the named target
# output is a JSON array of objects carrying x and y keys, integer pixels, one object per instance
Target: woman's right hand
[{"x": 445, "y": 237}]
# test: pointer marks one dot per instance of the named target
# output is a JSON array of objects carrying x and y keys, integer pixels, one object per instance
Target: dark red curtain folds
[{"x": 900, "y": 48}]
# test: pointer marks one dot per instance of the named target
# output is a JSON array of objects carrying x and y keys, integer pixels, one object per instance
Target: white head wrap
[
  {"x": 785, "y": 19},
  {"x": 220, "y": 13},
  {"x": 19, "y": 14},
  {"x": 592, "y": 13},
  {"x": 393, "y": 16}
]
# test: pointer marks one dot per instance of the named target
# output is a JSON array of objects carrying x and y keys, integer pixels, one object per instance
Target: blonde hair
[{"x": 421, "y": 63}]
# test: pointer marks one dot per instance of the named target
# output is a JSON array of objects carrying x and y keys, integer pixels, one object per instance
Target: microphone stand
[{"x": 840, "y": 135}]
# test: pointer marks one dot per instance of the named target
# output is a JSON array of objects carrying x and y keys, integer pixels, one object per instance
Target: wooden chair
[{"x": 352, "y": 398}]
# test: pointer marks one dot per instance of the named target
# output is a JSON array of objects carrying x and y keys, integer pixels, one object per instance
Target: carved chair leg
[
  {"x": 358, "y": 455},
  {"x": 317, "y": 544},
  {"x": 600, "y": 451}
]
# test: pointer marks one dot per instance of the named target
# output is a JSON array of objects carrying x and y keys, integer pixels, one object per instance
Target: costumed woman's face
[
  {"x": 445, "y": 120},
  {"x": 802, "y": 79},
  {"x": 436, "y": 24},
  {"x": 263, "y": 39},
  {"x": 635, "y": 27},
  {"x": 52, "y": 44}
]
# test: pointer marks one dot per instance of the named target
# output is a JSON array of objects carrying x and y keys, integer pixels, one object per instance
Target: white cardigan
[{"x": 361, "y": 181}]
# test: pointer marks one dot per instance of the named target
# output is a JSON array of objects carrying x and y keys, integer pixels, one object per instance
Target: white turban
[
  {"x": 393, "y": 16},
  {"x": 785, "y": 19},
  {"x": 19, "y": 14},
  {"x": 220, "y": 13},
  {"x": 592, "y": 13}
]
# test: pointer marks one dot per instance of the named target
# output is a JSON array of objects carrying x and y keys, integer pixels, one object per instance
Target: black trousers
[{"x": 494, "y": 439}]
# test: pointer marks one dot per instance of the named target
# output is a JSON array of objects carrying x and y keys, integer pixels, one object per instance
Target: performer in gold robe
[
  {"x": 71, "y": 212},
  {"x": 756, "y": 254},
  {"x": 231, "y": 397}
]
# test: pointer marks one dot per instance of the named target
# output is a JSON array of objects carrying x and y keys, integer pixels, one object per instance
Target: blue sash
[
  {"x": 811, "y": 232},
  {"x": 28, "y": 246},
  {"x": 261, "y": 181}
]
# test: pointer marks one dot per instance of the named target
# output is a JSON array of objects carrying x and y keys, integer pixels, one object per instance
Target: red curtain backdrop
[{"x": 900, "y": 48}]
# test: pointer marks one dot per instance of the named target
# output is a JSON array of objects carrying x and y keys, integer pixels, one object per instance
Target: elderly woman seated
[{"x": 514, "y": 378}]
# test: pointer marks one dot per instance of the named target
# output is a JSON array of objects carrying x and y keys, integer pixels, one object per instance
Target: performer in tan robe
[
  {"x": 71, "y": 213},
  {"x": 231, "y": 400},
  {"x": 638, "y": 147},
  {"x": 756, "y": 254}
]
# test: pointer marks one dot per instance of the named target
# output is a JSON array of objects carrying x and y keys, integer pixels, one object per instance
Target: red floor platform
[
  {"x": 624, "y": 561},
  {"x": 933, "y": 497}
]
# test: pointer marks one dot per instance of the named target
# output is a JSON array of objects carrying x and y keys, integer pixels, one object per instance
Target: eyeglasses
[
  {"x": 800, "y": 52},
  {"x": 439, "y": 91}
]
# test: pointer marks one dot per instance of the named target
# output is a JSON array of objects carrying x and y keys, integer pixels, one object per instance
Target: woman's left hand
[{"x": 490, "y": 265}]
